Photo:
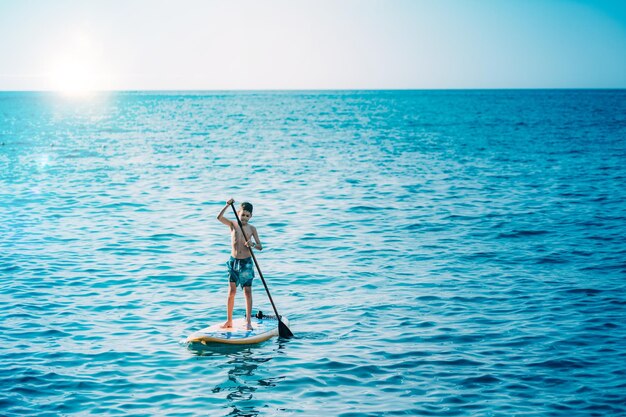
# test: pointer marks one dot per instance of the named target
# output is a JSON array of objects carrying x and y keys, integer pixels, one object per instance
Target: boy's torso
[{"x": 239, "y": 249}]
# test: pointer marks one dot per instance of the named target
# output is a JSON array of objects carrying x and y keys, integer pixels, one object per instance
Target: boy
[{"x": 240, "y": 265}]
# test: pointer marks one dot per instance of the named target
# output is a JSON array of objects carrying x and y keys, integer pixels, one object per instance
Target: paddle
[{"x": 283, "y": 330}]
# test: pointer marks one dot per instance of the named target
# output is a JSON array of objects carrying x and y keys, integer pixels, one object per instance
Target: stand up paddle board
[{"x": 264, "y": 328}]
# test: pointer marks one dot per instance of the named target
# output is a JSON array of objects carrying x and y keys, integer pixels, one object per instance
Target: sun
[
  {"x": 73, "y": 76},
  {"x": 78, "y": 69}
]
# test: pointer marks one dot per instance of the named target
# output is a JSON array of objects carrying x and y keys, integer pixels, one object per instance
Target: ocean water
[{"x": 438, "y": 253}]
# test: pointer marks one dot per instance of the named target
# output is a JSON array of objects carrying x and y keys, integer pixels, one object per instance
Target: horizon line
[{"x": 200, "y": 90}]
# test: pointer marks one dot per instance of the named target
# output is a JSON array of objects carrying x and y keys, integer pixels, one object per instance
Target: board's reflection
[{"x": 246, "y": 373}]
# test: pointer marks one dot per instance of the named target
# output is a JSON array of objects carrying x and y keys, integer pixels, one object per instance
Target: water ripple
[{"x": 445, "y": 253}]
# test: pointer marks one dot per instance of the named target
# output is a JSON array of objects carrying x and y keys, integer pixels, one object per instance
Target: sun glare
[
  {"x": 73, "y": 77},
  {"x": 77, "y": 70}
]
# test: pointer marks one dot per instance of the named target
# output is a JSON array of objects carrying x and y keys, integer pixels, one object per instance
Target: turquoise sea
[{"x": 438, "y": 253}]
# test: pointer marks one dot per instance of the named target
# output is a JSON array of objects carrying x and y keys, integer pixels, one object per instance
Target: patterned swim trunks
[{"x": 241, "y": 271}]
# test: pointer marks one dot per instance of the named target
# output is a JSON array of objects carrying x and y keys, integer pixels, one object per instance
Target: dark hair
[{"x": 246, "y": 206}]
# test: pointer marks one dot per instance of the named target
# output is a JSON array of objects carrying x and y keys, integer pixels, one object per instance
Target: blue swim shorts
[{"x": 241, "y": 271}]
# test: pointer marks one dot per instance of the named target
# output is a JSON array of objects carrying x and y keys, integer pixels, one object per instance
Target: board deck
[{"x": 263, "y": 329}]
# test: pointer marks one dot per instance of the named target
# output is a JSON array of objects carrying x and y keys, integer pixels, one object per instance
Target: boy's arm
[
  {"x": 221, "y": 217},
  {"x": 256, "y": 239}
]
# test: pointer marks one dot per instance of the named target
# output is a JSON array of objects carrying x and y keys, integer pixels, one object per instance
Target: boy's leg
[
  {"x": 230, "y": 304},
  {"x": 247, "y": 292}
]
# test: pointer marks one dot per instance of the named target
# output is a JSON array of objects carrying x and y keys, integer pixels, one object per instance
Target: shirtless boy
[{"x": 240, "y": 264}]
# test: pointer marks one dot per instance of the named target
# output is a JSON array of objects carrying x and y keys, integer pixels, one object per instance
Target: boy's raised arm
[{"x": 221, "y": 217}]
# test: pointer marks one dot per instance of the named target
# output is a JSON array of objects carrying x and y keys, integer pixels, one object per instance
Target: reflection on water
[{"x": 246, "y": 372}]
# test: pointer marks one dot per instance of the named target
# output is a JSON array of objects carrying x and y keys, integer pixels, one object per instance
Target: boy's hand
[{"x": 230, "y": 202}]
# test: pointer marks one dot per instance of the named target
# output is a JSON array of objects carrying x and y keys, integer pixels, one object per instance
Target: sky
[{"x": 78, "y": 45}]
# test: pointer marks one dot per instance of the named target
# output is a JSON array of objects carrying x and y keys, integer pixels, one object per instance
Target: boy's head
[
  {"x": 245, "y": 211},
  {"x": 246, "y": 206}
]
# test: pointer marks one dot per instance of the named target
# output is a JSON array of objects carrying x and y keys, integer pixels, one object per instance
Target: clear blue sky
[{"x": 311, "y": 44}]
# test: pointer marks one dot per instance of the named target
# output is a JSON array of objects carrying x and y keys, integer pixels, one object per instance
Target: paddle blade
[{"x": 283, "y": 330}]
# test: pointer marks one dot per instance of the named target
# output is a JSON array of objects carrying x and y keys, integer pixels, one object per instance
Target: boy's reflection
[{"x": 242, "y": 383}]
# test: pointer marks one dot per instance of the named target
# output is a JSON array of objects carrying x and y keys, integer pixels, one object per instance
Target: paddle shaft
[{"x": 284, "y": 331}]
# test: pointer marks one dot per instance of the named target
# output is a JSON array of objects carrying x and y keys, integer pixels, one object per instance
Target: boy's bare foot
[
  {"x": 249, "y": 326},
  {"x": 227, "y": 325}
]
